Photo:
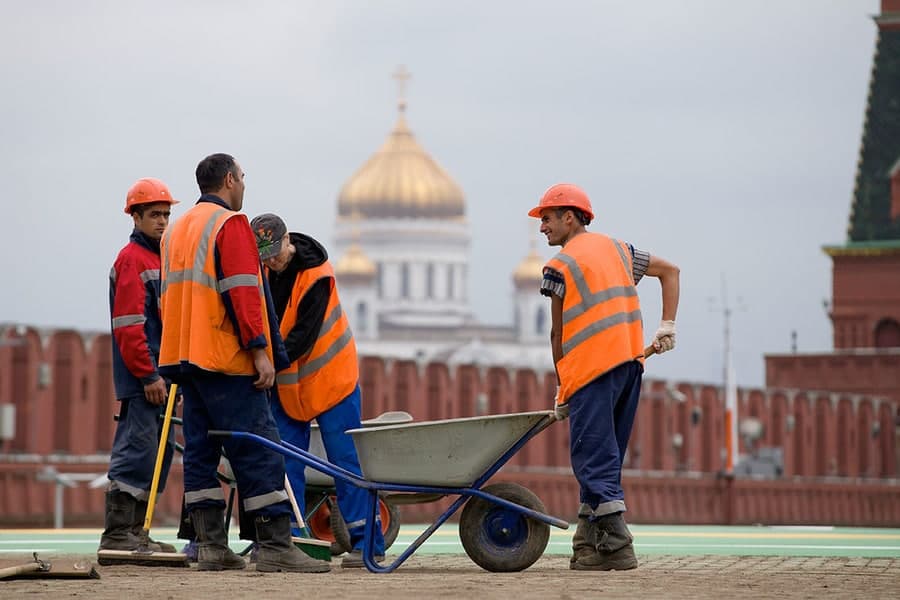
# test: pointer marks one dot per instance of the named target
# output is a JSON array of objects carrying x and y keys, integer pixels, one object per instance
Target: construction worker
[
  {"x": 597, "y": 343},
  {"x": 322, "y": 382},
  {"x": 218, "y": 345},
  {"x": 141, "y": 391}
]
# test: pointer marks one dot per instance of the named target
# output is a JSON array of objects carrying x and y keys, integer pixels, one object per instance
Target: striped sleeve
[
  {"x": 129, "y": 303},
  {"x": 237, "y": 271},
  {"x": 553, "y": 283},
  {"x": 640, "y": 260}
]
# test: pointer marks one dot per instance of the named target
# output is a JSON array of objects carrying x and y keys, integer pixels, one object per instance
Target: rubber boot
[
  {"x": 278, "y": 553},
  {"x": 213, "y": 553},
  {"x": 118, "y": 520},
  {"x": 611, "y": 544},
  {"x": 580, "y": 546},
  {"x": 140, "y": 513}
]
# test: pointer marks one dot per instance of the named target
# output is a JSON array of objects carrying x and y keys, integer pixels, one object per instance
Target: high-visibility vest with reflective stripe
[
  {"x": 601, "y": 319},
  {"x": 196, "y": 328},
  {"x": 329, "y": 372}
]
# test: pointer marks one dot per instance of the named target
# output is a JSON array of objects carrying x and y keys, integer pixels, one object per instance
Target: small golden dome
[
  {"x": 531, "y": 270},
  {"x": 401, "y": 180},
  {"x": 355, "y": 263}
]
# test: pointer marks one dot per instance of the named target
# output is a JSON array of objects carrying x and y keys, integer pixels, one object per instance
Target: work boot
[
  {"x": 213, "y": 553},
  {"x": 610, "y": 545},
  {"x": 140, "y": 513},
  {"x": 277, "y": 551},
  {"x": 354, "y": 560},
  {"x": 119, "y": 517},
  {"x": 580, "y": 546}
]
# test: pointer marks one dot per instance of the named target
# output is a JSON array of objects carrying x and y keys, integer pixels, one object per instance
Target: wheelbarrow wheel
[
  {"x": 499, "y": 539},
  {"x": 390, "y": 524},
  {"x": 319, "y": 522}
]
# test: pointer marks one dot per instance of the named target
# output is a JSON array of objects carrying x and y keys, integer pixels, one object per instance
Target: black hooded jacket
[{"x": 311, "y": 310}]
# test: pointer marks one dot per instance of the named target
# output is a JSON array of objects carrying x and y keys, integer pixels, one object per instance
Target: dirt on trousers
[{"x": 456, "y": 576}]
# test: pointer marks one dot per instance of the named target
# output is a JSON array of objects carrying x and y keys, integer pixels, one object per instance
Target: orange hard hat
[
  {"x": 564, "y": 195},
  {"x": 147, "y": 191}
]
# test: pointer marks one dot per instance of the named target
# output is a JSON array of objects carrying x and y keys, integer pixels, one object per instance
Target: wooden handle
[
  {"x": 649, "y": 351},
  {"x": 19, "y": 570}
]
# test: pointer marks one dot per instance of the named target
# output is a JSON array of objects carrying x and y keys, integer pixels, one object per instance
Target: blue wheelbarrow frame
[{"x": 374, "y": 487}]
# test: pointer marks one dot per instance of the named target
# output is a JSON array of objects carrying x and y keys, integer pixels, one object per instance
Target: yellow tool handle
[{"x": 160, "y": 453}]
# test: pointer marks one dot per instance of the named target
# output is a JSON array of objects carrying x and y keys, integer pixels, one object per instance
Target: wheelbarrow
[
  {"x": 322, "y": 516},
  {"x": 502, "y": 527}
]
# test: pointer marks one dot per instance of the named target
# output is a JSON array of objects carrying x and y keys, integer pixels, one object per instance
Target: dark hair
[
  {"x": 579, "y": 214},
  {"x": 138, "y": 209},
  {"x": 212, "y": 170}
]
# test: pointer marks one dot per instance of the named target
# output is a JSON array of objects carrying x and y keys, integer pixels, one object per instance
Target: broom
[
  {"x": 144, "y": 555},
  {"x": 318, "y": 549}
]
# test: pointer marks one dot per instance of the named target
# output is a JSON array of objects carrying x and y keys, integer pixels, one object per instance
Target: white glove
[
  {"x": 560, "y": 411},
  {"x": 664, "y": 339}
]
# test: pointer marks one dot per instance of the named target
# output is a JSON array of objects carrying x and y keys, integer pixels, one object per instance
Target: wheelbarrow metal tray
[
  {"x": 448, "y": 453},
  {"x": 315, "y": 477}
]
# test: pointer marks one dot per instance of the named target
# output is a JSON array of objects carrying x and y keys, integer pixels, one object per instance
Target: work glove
[
  {"x": 560, "y": 411},
  {"x": 664, "y": 339}
]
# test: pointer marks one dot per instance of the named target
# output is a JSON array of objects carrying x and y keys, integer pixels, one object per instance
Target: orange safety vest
[
  {"x": 601, "y": 319},
  {"x": 329, "y": 372},
  {"x": 196, "y": 328}
]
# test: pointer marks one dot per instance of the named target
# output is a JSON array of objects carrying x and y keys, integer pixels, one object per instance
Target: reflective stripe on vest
[
  {"x": 196, "y": 328},
  {"x": 329, "y": 372},
  {"x": 601, "y": 326}
]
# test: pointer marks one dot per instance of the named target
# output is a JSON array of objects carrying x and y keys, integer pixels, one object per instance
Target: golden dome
[
  {"x": 401, "y": 180},
  {"x": 531, "y": 270},
  {"x": 355, "y": 263}
]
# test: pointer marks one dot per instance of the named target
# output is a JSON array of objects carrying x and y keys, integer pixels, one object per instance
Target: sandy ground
[{"x": 455, "y": 576}]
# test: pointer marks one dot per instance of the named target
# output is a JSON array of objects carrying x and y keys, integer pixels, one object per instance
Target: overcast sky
[{"x": 720, "y": 135}]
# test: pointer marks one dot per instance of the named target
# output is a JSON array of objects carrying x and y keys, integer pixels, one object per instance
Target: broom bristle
[{"x": 318, "y": 549}]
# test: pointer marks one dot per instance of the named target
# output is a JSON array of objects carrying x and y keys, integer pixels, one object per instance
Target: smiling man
[{"x": 597, "y": 343}]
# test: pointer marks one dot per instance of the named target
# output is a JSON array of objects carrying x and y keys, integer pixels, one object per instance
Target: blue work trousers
[
  {"x": 215, "y": 401},
  {"x": 339, "y": 448},
  {"x": 135, "y": 445},
  {"x": 601, "y": 415}
]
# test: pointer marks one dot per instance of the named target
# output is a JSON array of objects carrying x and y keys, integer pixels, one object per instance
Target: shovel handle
[
  {"x": 19, "y": 570},
  {"x": 649, "y": 351},
  {"x": 160, "y": 454}
]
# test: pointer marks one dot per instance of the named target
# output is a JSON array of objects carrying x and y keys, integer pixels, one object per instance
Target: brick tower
[{"x": 865, "y": 307}]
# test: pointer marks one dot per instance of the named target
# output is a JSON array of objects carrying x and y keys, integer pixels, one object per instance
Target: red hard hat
[
  {"x": 147, "y": 191},
  {"x": 564, "y": 194}
]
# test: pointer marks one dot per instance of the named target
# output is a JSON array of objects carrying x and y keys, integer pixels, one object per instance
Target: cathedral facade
[{"x": 403, "y": 242}]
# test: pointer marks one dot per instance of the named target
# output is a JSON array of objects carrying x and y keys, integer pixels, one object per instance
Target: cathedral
[{"x": 403, "y": 241}]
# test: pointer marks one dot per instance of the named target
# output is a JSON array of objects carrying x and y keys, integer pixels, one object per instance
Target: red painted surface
[{"x": 60, "y": 383}]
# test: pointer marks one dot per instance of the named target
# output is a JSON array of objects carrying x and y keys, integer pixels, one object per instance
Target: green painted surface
[{"x": 678, "y": 540}]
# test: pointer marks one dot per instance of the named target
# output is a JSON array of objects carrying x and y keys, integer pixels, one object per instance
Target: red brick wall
[
  {"x": 60, "y": 383},
  {"x": 865, "y": 291}
]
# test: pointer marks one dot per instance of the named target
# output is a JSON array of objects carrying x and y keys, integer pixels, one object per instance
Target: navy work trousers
[
  {"x": 215, "y": 401},
  {"x": 601, "y": 415},
  {"x": 135, "y": 445},
  {"x": 339, "y": 448}
]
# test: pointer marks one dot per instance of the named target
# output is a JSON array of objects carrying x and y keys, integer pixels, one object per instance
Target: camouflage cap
[{"x": 269, "y": 230}]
